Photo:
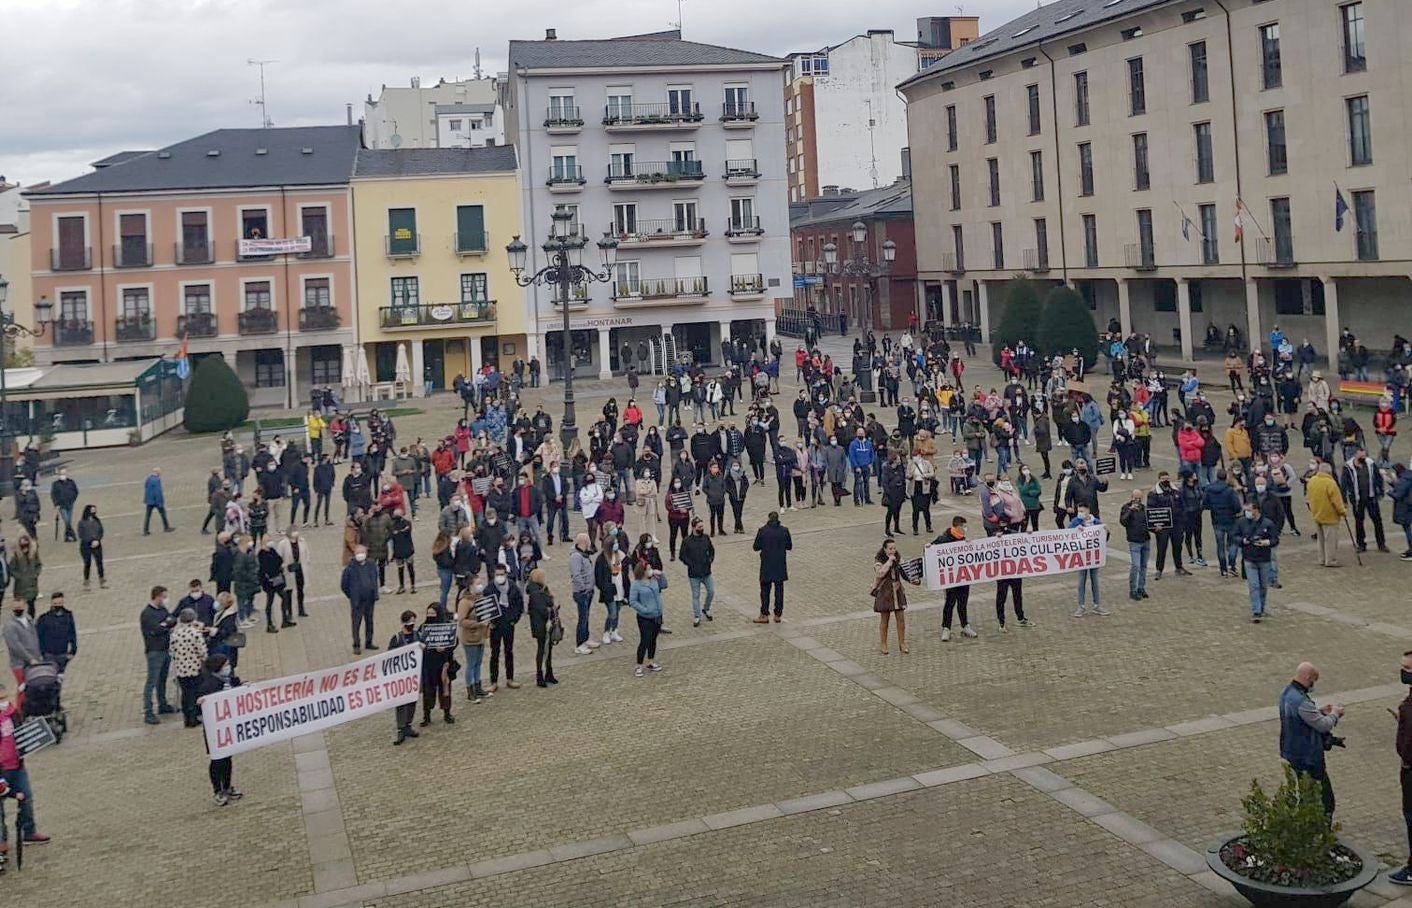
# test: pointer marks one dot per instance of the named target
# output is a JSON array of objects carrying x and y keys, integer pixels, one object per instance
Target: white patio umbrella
[
  {"x": 365, "y": 378},
  {"x": 404, "y": 365},
  {"x": 348, "y": 373}
]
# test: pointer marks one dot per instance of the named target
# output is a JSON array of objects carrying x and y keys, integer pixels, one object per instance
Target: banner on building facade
[
  {"x": 1019, "y": 555},
  {"x": 272, "y": 246},
  {"x": 254, "y": 715}
]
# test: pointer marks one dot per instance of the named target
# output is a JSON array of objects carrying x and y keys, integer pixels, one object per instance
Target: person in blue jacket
[
  {"x": 645, "y": 598},
  {"x": 154, "y": 500},
  {"x": 861, "y": 456},
  {"x": 1224, "y": 504}
]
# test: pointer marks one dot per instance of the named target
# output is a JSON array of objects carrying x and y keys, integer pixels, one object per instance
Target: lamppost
[
  {"x": 858, "y": 264},
  {"x": 10, "y": 330},
  {"x": 565, "y": 271}
]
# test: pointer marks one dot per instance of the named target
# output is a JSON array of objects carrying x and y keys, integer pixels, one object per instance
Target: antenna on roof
[
  {"x": 478, "y": 71},
  {"x": 265, "y": 121},
  {"x": 677, "y": 23}
]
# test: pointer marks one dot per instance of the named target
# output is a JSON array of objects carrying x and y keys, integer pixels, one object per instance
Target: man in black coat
[
  {"x": 773, "y": 542},
  {"x": 64, "y": 493},
  {"x": 360, "y": 585},
  {"x": 222, "y": 563}
]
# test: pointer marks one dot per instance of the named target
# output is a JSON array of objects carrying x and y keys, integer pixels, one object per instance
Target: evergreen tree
[
  {"x": 1021, "y": 317},
  {"x": 1067, "y": 324},
  {"x": 215, "y": 399}
]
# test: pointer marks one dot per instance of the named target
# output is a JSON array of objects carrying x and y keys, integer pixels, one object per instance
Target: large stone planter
[{"x": 1269, "y": 895}]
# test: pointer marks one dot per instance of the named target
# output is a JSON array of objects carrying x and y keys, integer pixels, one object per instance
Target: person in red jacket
[
  {"x": 443, "y": 459},
  {"x": 13, "y": 777},
  {"x": 1385, "y": 427},
  {"x": 1189, "y": 445}
]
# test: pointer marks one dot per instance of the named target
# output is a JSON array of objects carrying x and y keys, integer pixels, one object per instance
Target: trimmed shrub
[
  {"x": 1020, "y": 320},
  {"x": 1067, "y": 324},
  {"x": 215, "y": 399}
]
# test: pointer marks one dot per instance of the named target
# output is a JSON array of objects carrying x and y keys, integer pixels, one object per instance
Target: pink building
[{"x": 147, "y": 249}]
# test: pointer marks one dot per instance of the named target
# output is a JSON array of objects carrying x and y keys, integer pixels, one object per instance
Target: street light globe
[
  {"x": 43, "y": 310},
  {"x": 860, "y": 231},
  {"x": 608, "y": 250},
  {"x": 830, "y": 254},
  {"x": 889, "y": 251},
  {"x": 4, "y": 290},
  {"x": 517, "y": 251}
]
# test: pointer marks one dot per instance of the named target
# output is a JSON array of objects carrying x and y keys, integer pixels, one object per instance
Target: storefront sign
[{"x": 614, "y": 321}]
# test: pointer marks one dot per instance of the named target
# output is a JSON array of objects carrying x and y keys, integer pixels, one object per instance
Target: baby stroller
[{"x": 43, "y": 686}]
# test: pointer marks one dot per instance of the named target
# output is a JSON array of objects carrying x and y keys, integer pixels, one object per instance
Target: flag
[
  {"x": 1340, "y": 209},
  {"x": 1186, "y": 227},
  {"x": 1240, "y": 221},
  {"x": 183, "y": 361}
]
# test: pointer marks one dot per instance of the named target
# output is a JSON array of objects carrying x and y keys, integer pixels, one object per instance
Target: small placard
[
  {"x": 681, "y": 501},
  {"x": 486, "y": 609},
  {"x": 1159, "y": 518},
  {"x": 911, "y": 570},
  {"x": 32, "y": 735},
  {"x": 480, "y": 485},
  {"x": 438, "y": 636},
  {"x": 1105, "y": 465}
]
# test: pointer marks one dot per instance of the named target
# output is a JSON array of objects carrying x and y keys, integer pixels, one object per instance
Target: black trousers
[
  {"x": 647, "y": 631},
  {"x": 1191, "y": 534},
  {"x": 674, "y": 530},
  {"x": 297, "y": 571},
  {"x": 1326, "y": 788},
  {"x": 295, "y": 499},
  {"x": 284, "y": 608},
  {"x": 765, "y": 587},
  {"x": 1368, "y": 508},
  {"x": 502, "y": 639},
  {"x": 220, "y": 771},
  {"x": 320, "y": 501},
  {"x": 718, "y": 518},
  {"x": 1015, "y": 587},
  {"x": 543, "y": 658},
  {"x": 362, "y": 615},
  {"x": 893, "y": 517},
  {"x": 1169, "y": 539},
  {"x": 404, "y": 714},
  {"x": 189, "y": 710},
  {"x": 1406, "y": 778},
  {"x": 736, "y": 508},
  {"x": 957, "y": 598},
  {"x": 921, "y": 507}
]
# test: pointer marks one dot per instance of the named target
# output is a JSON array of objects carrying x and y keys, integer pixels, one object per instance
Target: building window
[
  {"x": 1081, "y": 112},
  {"x": 1142, "y": 176},
  {"x": 325, "y": 366},
  {"x": 132, "y": 233},
  {"x": 1271, "y": 73},
  {"x": 629, "y": 279},
  {"x": 1365, "y": 215},
  {"x": 997, "y": 242},
  {"x": 1200, "y": 77},
  {"x": 1147, "y": 250},
  {"x": 990, "y": 119},
  {"x": 196, "y": 299},
  {"x": 1355, "y": 54},
  {"x": 317, "y": 293},
  {"x": 137, "y": 304},
  {"x": 402, "y": 230},
  {"x": 1360, "y": 131},
  {"x": 993, "y": 168},
  {"x": 269, "y": 368},
  {"x": 474, "y": 288},
  {"x": 1032, "y": 100},
  {"x": 1037, "y": 176},
  {"x": 951, "y": 127},
  {"x": 958, "y": 244},
  {"x": 1041, "y": 244},
  {"x": 1086, "y": 168},
  {"x": 406, "y": 293},
  {"x": 1090, "y": 241},
  {"x": 679, "y": 101},
  {"x": 254, "y": 223},
  {"x": 73, "y": 307},
  {"x": 195, "y": 237},
  {"x": 1210, "y": 236},
  {"x": 737, "y": 102},
  {"x": 955, "y": 187},
  {"x": 1283, "y": 229},
  {"x": 1137, "y": 87},
  {"x": 257, "y": 295},
  {"x": 1205, "y": 163},
  {"x": 313, "y": 223},
  {"x": 1276, "y": 153}
]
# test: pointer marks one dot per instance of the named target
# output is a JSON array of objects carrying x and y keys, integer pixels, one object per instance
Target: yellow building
[{"x": 430, "y": 229}]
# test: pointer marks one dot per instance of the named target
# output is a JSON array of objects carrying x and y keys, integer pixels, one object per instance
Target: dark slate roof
[
  {"x": 895, "y": 199},
  {"x": 654, "y": 50},
  {"x": 119, "y": 158},
  {"x": 1044, "y": 24},
  {"x": 407, "y": 162},
  {"x": 464, "y": 108},
  {"x": 188, "y": 164}
]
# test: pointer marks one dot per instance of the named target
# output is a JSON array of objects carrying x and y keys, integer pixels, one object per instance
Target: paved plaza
[{"x": 1079, "y": 762}]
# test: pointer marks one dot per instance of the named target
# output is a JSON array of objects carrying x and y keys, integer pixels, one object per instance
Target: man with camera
[{"x": 1306, "y": 730}]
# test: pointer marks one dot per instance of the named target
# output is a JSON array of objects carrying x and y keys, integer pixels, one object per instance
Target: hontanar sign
[
  {"x": 1019, "y": 555},
  {"x": 254, "y": 715}
]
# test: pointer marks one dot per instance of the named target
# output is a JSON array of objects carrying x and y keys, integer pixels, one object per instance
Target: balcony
[
  {"x": 1035, "y": 260},
  {"x": 197, "y": 324},
  {"x": 745, "y": 172},
  {"x": 565, "y": 178},
  {"x": 1277, "y": 253},
  {"x": 563, "y": 120},
  {"x": 643, "y": 117},
  {"x": 952, "y": 263},
  {"x": 258, "y": 321},
  {"x": 320, "y": 247},
  {"x": 655, "y": 175},
  {"x": 319, "y": 318},
  {"x": 403, "y": 245},
  {"x": 735, "y": 115},
  {"x": 72, "y": 332},
  {"x": 134, "y": 328},
  {"x": 71, "y": 258},
  {"x": 747, "y": 286},
  {"x": 437, "y": 315},
  {"x": 744, "y": 230},
  {"x": 132, "y": 255},
  {"x": 1141, "y": 256},
  {"x": 470, "y": 243},
  {"x": 659, "y": 232},
  {"x": 193, "y": 253},
  {"x": 659, "y": 291}
]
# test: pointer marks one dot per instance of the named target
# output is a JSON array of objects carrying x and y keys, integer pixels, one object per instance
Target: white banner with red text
[
  {"x": 254, "y": 715},
  {"x": 1017, "y": 555}
]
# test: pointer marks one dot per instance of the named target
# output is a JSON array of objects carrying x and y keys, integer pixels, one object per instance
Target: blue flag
[{"x": 1340, "y": 210}]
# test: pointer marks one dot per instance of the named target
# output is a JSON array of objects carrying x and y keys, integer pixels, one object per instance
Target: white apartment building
[
  {"x": 1116, "y": 145},
  {"x": 461, "y": 114},
  {"x": 676, "y": 149}
]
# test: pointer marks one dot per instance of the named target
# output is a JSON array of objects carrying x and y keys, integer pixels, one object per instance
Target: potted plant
[{"x": 1288, "y": 852}]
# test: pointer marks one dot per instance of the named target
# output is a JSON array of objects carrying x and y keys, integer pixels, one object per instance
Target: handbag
[
  {"x": 661, "y": 581},
  {"x": 277, "y": 582},
  {"x": 236, "y": 640},
  {"x": 556, "y": 631}
]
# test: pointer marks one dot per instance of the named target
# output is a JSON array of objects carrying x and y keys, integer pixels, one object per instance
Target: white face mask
[{"x": 361, "y": 557}]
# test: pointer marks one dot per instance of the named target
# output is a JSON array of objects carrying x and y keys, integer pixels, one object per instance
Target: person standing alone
[
  {"x": 774, "y": 543},
  {"x": 154, "y": 499},
  {"x": 1304, "y": 729}
]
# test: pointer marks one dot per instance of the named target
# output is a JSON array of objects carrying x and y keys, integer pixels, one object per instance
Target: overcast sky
[{"x": 85, "y": 78}]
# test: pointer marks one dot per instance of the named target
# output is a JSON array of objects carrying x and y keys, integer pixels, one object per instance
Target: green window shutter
[{"x": 470, "y": 228}]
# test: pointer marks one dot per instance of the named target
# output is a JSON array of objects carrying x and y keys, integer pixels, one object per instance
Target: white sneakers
[
  {"x": 617, "y": 637},
  {"x": 582, "y": 651},
  {"x": 968, "y": 631},
  {"x": 945, "y": 634},
  {"x": 607, "y": 638},
  {"x": 591, "y": 643}
]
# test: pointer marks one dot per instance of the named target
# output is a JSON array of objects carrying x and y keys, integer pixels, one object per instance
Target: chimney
[
  {"x": 830, "y": 190},
  {"x": 349, "y": 108},
  {"x": 551, "y": 35},
  {"x": 906, "y": 163}
]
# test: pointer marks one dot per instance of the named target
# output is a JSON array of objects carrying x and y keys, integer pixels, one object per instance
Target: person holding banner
[
  {"x": 1083, "y": 518},
  {"x": 217, "y": 674},
  {"x": 889, "y": 598},
  {"x": 958, "y": 596},
  {"x": 402, "y": 714},
  {"x": 1013, "y": 587}
]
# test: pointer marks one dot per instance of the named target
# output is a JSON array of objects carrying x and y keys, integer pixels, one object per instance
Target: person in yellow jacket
[
  {"x": 1142, "y": 425},
  {"x": 1237, "y": 445},
  {"x": 1328, "y": 510},
  {"x": 314, "y": 425}
]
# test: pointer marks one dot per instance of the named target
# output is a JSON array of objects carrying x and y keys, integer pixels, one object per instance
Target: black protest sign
[
  {"x": 486, "y": 609},
  {"x": 911, "y": 570},
  {"x": 1105, "y": 465},
  {"x": 438, "y": 636},
  {"x": 1159, "y": 518},
  {"x": 32, "y": 735}
]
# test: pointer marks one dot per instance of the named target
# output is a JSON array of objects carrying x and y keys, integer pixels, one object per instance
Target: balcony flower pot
[{"x": 1288, "y": 854}]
